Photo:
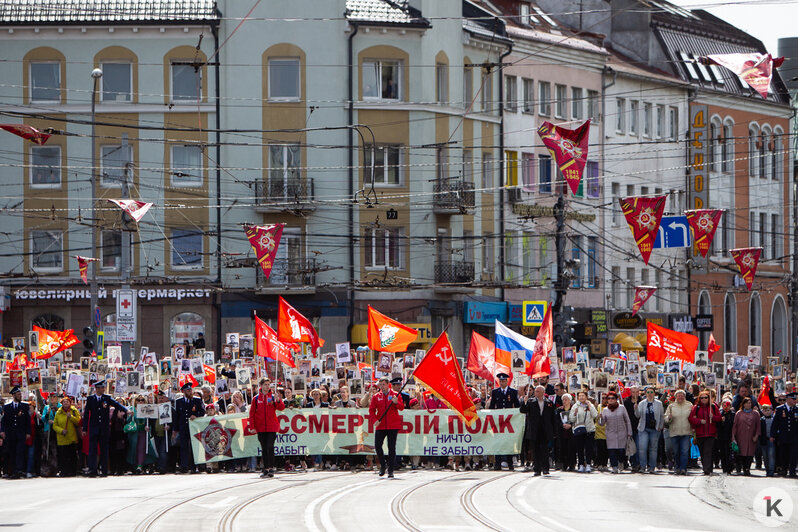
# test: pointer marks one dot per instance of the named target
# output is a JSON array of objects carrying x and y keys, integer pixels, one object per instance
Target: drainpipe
[
  {"x": 603, "y": 128},
  {"x": 502, "y": 168},
  {"x": 351, "y": 209}
]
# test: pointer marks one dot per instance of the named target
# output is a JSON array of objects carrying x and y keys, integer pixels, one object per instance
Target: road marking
[
  {"x": 519, "y": 499},
  {"x": 309, "y": 516},
  {"x": 630, "y": 485},
  {"x": 657, "y": 529},
  {"x": 326, "y": 518},
  {"x": 224, "y": 502}
]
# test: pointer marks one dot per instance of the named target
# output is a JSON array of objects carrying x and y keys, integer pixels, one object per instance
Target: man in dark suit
[
  {"x": 503, "y": 397},
  {"x": 187, "y": 408},
  {"x": 13, "y": 431},
  {"x": 785, "y": 434},
  {"x": 97, "y": 424},
  {"x": 541, "y": 426}
]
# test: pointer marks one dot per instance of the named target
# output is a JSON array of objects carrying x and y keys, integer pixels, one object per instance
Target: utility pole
[
  {"x": 96, "y": 74},
  {"x": 561, "y": 284},
  {"x": 124, "y": 266}
]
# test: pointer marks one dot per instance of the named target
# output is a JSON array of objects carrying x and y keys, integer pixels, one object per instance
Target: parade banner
[
  {"x": 385, "y": 334},
  {"x": 755, "y": 69},
  {"x": 349, "y": 431},
  {"x": 569, "y": 148},
  {"x": 642, "y": 294},
  {"x": 643, "y": 216},
  {"x": 665, "y": 344},
  {"x": 136, "y": 209},
  {"x": 704, "y": 223},
  {"x": 747, "y": 260},
  {"x": 265, "y": 240},
  {"x": 26, "y": 132},
  {"x": 83, "y": 267}
]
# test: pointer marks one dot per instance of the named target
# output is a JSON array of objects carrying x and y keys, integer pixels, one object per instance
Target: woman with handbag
[
  {"x": 582, "y": 418},
  {"x": 565, "y": 435},
  {"x": 617, "y": 429},
  {"x": 137, "y": 431}
]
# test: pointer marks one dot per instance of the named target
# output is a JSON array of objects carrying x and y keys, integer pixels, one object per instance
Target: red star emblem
[{"x": 216, "y": 440}]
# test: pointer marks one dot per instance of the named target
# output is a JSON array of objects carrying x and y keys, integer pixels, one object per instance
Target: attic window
[
  {"x": 544, "y": 16},
  {"x": 703, "y": 69},
  {"x": 689, "y": 64},
  {"x": 716, "y": 73},
  {"x": 524, "y": 14}
]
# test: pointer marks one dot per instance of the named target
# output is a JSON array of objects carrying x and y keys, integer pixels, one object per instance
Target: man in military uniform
[
  {"x": 187, "y": 408},
  {"x": 97, "y": 424},
  {"x": 785, "y": 434},
  {"x": 13, "y": 431},
  {"x": 503, "y": 397}
]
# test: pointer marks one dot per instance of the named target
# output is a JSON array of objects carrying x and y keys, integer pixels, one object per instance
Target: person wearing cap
[
  {"x": 785, "y": 434},
  {"x": 187, "y": 408},
  {"x": 617, "y": 429},
  {"x": 97, "y": 425},
  {"x": 503, "y": 397},
  {"x": 396, "y": 385},
  {"x": 384, "y": 413},
  {"x": 14, "y": 429}
]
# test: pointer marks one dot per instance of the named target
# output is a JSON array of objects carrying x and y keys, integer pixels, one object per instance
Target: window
[
  {"x": 593, "y": 188},
  {"x": 616, "y": 206},
  {"x": 673, "y": 132},
  {"x": 630, "y": 287},
  {"x": 752, "y": 234},
  {"x": 560, "y": 95},
  {"x": 762, "y": 144},
  {"x": 111, "y": 250},
  {"x": 660, "y": 121},
  {"x": 187, "y": 166},
  {"x": 510, "y": 259},
  {"x": 441, "y": 164},
  {"x": 511, "y": 93},
  {"x": 113, "y": 162},
  {"x": 775, "y": 237},
  {"x": 487, "y": 172},
  {"x": 529, "y": 96},
  {"x": 727, "y": 150},
  {"x": 117, "y": 82},
  {"x": 47, "y": 250},
  {"x": 545, "y": 264},
  {"x": 442, "y": 83},
  {"x": 593, "y": 105},
  {"x": 468, "y": 166},
  {"x": 544, "y": 98},
  {"x": 576, "y": 255},
  {"x": 777, "y": 155},
  {"x": 284, "y": 79},
  {"x": 382, "y": 80},
  {"x": 616, "y": 283},
  {"x": 657, "y": 283},
  {"x": 544, "y": 174},
  {"x": 755, "y": 322},
  {"x": 488, "y": 256},
  {"x": 383, "y": 248},
  {"x": 728, "y": 231},
  {"x": 528, "y": 172},
  {"x": 187, "y": 248},
  {"x": 577, "y": 105},
  {"x": 633, "y": 116},
  {"x": 763, "y": 234},
  {"x": 714, "y": 146},
  {"x": 468, "y": 246},
  {"x": 592, "y": 261},
  {"x": 186, "y": 83},
  {"x": 647, "y": 119},
  {"x": 468, "y": 87},
  {"x": 730, "y": 323},
  {"x": 524, "y": 10},
  {"x": 527, "y": 258},
  {"x": 45, "y": 164},
  {"x": 387, "y": 165},
  {"x": 620, "y": 115},
  {"x": 288, "y": 266},
  {"x": 487, "y": 91},
  {"x": 45, "y": 82}
]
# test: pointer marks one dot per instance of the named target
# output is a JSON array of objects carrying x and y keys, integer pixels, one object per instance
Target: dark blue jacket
[
  {"x": 184, "y": 409},
  {"x": 97, "y": 414},
  {"x": 16, "y": 422},
  {"x": 785, "y": 425},
  {"x": 499, "y": 399}
]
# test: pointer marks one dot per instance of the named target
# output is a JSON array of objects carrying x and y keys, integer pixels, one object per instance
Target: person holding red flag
[
  {"x": 263, "y": 418},
  {"x": 384, "y": 411}
]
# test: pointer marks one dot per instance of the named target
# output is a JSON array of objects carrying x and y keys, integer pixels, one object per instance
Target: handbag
[
  {"x": 131, "y": 426},
  {"x": 631, "y": 446},
  {"x": 581, "y": 429},
  {"x": 734, "y": 447}
]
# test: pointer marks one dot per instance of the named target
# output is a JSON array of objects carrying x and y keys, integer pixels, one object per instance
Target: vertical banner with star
[
  {"x": 643, "y": 216},
  {"x": 83, "y": 267},
  {"x": 569, "y": 148},
  {"x": 642, "y": 294},
  {"x": 265, "y": 240},
  {"x": 747, "y": 260},
  {"x": 756, "y": 69},
  {"x": 704, "y": 223}
]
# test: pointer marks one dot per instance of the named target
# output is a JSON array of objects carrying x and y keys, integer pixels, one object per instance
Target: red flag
[
  {"x": 265, "y": 240},
  {"x": 21, "y": 362},
  {"x": 704, "y": 223},
  {"x": 642, "y": 294},
  {"x": 136, "y": 209},
  {"x": 747, "y": 260},
  {"x": 754, "y": 69},
  {"x": 712, "y": 347},
  {"x": 643, "y": 216},
  {"x": 385, "y": 334},
  {"x": 186, "y": 377},
  {"x": 440, "y": 372},
  {"x": 269, "y": 345},
  {"x": 764, "y": 395},
  {"x": 664, "y": 343},
  {"x": 52, "y": 342},
  {"x": 210, "y": 374},
  {"x": 26, "y": 132},
  {"x": 83, "y": 267},
  {"x": 569, "y": 148},
  {"x": 294, "y": 327},
  {"x": 482, "y": 359},
  {"x": 540, "y": 366}
]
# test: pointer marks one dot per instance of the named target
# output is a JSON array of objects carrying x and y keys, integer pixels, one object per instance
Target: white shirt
[{"x": 541, "y": 402}]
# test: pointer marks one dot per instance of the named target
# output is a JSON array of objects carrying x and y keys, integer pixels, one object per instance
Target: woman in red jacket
[
  {"x": 703, "y": 417},
  {"x": 384, "y": 413},
  {"x": 263, "y": 418}
]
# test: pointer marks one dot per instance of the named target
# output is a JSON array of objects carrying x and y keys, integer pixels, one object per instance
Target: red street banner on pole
[
  {"x": 52, "y": 342},
  {"x": 135, "y": 208},
  {"x": 754, "y": 69},
  {"x": 482, "y": 359},
  {"x": 26, "y": 132},
  {"x": 704, "y": 223},
  {"x": 270, "y": 346},
  {"x": 385, "y": 334},
  {"x": 83, "y": 267},
  {"x": 294, "y": 327},
  {"x": 664, "y": 343},
  {"x": 569, "y": 148},
  {"x": 265, "y": 240},
  {"x": 747, "y": 260},
  {"x": 440, "y": 372},
  {"x": 540, "y": 366},
  {"x": 642, "y": 294},
  {"x": 643, "y": 216},
  {"x": 713, "y": 346}
]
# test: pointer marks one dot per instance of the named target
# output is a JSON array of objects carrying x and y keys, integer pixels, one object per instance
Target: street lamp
[{"x": 96, "y": 74}]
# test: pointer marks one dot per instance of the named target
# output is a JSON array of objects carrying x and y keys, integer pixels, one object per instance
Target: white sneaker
[
  {"x": 29, "y": 475},
  {"x": 588, "y": 469},
  {"x": 504, "y": 464},
  {"x": 581, "y": 469},
  {"x": 615, "y": 470}
]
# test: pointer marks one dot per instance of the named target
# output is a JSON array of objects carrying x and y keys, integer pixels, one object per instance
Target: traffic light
[
  {"x": 569, "y": 326},
  {"x": 88, "y": 341}
]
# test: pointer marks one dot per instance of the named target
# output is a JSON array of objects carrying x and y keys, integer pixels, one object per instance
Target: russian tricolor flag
[{"x": 508, "y": 341}]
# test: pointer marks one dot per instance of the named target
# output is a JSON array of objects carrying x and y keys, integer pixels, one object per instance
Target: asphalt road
[{"x": 418, "y": 500}]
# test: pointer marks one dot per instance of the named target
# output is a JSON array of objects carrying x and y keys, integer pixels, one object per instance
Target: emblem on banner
[{"x": 216, "y": 440}]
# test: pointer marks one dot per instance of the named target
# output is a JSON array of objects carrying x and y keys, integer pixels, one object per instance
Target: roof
[
  {"x": 569, "y": 41},
  {"x": 391, "y": 12},
  {"x": 106, "y": 11}
]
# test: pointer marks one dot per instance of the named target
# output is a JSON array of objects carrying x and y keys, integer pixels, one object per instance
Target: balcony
[
  {"x": 453, "y": 197},
  {"x": 285, "y": 195},
  {"x": 457, "y": 275},
  {"x": 288, "y": 275}
]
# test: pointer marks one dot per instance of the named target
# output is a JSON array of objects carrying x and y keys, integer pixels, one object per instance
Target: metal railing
[
  {"x": 454, "y": 272},
  {"x": 288, "y": 272},
  {"x": 454, "y": 195},
  {"x": 285, "y": 194}
]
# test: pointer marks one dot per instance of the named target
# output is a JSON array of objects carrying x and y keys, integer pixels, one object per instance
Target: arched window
[
  {"x": 755, "y": 320},
  {"x": 727, "y": 149},
  {"x": 730, "y": 323},
  {"x": 53, "y": 322},
  {"x": 766, "y": 154},
  {"x": 753, "y": 150},
  {"x": 186, "y": 326},
  {"x": 704, "y": 307},
  {"x": 715, "y": 144},
  {"x": 778, "y": 329},
  {"x": 777, "y": 154}
]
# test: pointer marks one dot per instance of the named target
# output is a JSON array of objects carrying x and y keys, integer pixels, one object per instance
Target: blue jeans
[
  {"x": 681, "y": 451},
  {"x": 633, "y": 461},
  {"x": 648, "y": 440},
  {"x": 769, "y": 455},
  {"x": 31, "y": 452}
]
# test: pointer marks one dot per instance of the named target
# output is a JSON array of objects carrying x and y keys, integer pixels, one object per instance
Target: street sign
[
  {"x": 126, "y": 315},
  {"x": 98, "y": 319},
  {"x": 534, "y": 312},
  {"x": 674, "y": 232}
]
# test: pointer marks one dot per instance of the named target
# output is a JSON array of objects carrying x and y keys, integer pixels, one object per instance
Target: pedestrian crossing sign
[{"x": 534, "y": 312}]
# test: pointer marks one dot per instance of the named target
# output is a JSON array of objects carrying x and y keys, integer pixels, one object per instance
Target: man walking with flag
[{"x": 384, "y": 412}]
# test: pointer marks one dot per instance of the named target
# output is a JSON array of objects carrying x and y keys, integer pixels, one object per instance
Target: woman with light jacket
[
  {"x": 617, "y": 428},
  {"x": 678, "y": 417},
  {"x": 583, "y": 420},
  {"x": 66, "y": 425}
]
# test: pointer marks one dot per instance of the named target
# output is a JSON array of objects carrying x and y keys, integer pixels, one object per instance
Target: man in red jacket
[
  {"x": 263, "y": 418},
  {"x": 384, "y": 412}
]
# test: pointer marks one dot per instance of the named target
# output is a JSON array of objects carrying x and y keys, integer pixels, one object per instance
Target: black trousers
[
  {"x": 540, "y": 452},
  {"x": 267, "y": 440},
  {"x": 17, "y": 455},
  {"x": 706, "y": 447},
  {"x": 68, "y": 459},
  {"x": 186, "y": 454},
  {"x": 726, "y": 455},
  {"x": 789, "y": 456},
  {"x": 379, "y": 438},
  {"x": 98, "y": 441}
]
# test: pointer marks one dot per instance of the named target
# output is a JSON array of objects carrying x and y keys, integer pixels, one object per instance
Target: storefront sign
[
  {"x": 704, "y": 322},
  {"x": 599, "y": 318},
  {"x": 680, "y": 323},
  {"x": 480, "y": 312},
  {"x": 542, "y": 211},
  {"x": 516, "y": 313},
  {"x": 697, "y": 168},
  {"x": 360, "y": 333},
  {"x": 625, "y": 320},
  {"x": 144, "y": 293}
]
